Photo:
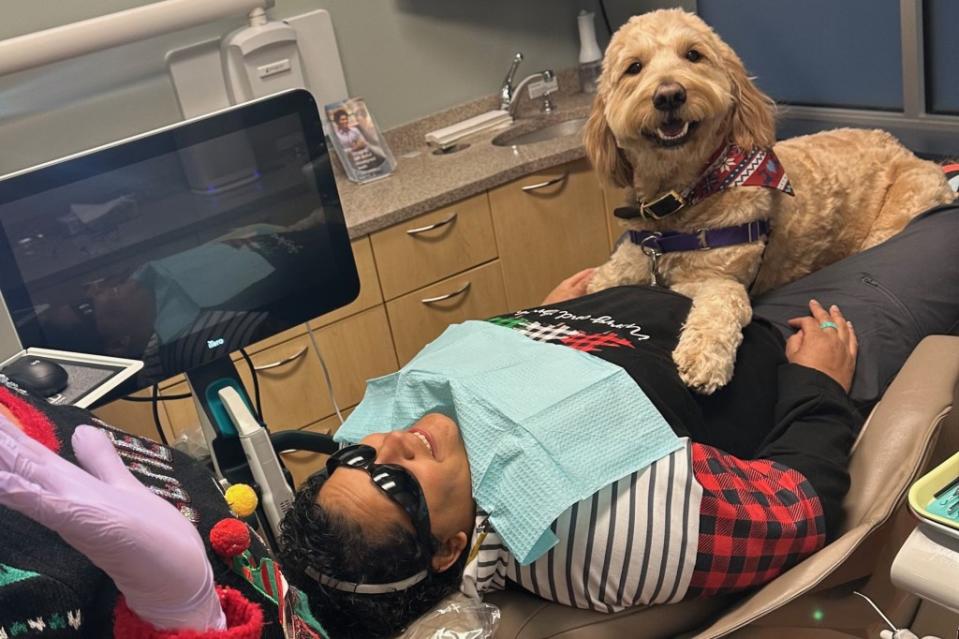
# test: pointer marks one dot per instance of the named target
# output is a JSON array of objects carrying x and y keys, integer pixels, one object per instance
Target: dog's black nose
[{"x": 669, "y": 96}]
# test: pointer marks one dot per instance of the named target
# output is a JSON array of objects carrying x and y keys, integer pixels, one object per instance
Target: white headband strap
[{"x": 367, "y": 589}]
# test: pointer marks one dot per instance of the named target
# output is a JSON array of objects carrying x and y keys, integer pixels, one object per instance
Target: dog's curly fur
[{"x": 854, "y": 188}]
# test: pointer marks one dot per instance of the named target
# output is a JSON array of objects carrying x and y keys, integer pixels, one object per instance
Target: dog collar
[
  {"x": 730, "y": 166},
  {"x": 672, "y": 241}
]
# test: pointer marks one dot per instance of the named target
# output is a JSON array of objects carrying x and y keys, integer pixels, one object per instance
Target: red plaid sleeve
[{"x": 757, "y": 519}]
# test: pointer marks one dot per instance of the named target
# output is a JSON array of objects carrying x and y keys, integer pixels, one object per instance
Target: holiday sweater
[
  {"x": 757, "y": 486},
  {"x": 50, "y": 591}
]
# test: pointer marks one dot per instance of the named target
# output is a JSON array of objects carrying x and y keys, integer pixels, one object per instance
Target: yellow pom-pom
[{"x": 242, "y": 499}]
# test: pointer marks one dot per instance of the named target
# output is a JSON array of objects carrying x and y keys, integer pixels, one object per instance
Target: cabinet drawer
[
  {"x": 548, "y": 226},
  {"x": 416, "y": 253},
  {"x": 421, "y": 316},
  {"x": 293, "y": 392}
]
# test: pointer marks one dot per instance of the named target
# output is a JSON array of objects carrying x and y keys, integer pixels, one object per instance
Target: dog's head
[{"x": 669, "y": 84}]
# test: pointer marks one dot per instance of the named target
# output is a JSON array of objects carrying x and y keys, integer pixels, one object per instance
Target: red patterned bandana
[{"x": 729, "y": 167}]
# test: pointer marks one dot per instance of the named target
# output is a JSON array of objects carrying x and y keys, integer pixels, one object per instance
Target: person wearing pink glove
[
  {"x": 103, "y": 511},
  {"x": 108, "y": 531}
]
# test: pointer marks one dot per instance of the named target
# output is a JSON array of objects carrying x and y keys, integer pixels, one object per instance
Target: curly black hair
[{"x": 334, "y": 545}]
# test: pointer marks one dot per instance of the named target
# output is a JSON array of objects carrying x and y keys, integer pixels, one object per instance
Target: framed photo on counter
[{"x": 359, "y": 144}]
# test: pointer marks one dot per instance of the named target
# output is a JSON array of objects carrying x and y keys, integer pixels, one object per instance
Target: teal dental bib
[{"x": 544, "y": 425}]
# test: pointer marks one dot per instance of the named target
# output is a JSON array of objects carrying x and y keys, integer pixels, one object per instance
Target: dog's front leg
[
  {"x": 628, "y": 265},
  {"x": 706, "y": 352}
]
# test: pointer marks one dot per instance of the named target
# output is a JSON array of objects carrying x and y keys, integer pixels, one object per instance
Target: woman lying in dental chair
[{"x": 734, "y": 490}]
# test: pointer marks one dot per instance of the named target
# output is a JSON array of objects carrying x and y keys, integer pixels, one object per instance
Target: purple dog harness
[
  {"x": 730, "y": 166},
  {"x": 656, "y": 243},
  {"x": 672, "y": 241}
]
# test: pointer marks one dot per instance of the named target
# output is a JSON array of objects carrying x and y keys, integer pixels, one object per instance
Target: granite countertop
[{"x": 424, "y": 181}]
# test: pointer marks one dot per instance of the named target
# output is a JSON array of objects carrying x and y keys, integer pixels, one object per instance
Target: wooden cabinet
[
  {"x": 419, "y": 317},
  {"x": 181, "y": 414},
  {"x": 370, "y": 294},
  {"x": 294, "y": 393},
  {"x": 614, "y": 198},
  {"x": 136, "y": 417},
  {"x": 548, "y": 226},
  {"x": 432, "y": 246}
]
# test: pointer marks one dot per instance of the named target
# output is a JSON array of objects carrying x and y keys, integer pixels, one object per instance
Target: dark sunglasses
[{"x": 398, "y": 483}]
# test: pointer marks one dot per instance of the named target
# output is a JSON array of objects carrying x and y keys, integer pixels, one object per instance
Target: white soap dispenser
[
  {"x": 590, "y": 57},
  {"x": 260, "y": 59}
]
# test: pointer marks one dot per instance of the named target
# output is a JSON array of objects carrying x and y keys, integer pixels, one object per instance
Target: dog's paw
[
  {"x": 703, "y": 365},
  {"x": 599, "y": 281}
]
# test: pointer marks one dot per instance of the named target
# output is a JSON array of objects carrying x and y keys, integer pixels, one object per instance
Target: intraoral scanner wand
[{"x": 276, "y": 497}]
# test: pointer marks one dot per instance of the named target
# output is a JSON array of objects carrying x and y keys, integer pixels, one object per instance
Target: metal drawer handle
[
  {"x": 430, "y": 227},
  {"x": 550, "y": 182},
  {"x": 440, "y": 298},
  {"x": 284, "y": 361}
]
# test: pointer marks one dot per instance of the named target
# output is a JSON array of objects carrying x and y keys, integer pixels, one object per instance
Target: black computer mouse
[{"x": 36, "y": 375}]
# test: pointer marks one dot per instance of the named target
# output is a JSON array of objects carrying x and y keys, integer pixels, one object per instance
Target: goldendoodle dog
[{"x": 717, "y": 209}]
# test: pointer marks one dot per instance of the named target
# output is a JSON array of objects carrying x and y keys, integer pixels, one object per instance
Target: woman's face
[{"x": 431, "y": 450}]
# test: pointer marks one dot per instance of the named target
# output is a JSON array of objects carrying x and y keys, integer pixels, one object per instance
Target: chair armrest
[
  {"x": 897, "y": 442},
  {"x": 902, "y": 429}
]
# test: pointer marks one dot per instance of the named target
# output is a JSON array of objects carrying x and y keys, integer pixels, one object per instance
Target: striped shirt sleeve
[{"x": 631, "y": 543}]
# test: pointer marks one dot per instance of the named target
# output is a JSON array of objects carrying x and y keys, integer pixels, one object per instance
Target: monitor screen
[{"x": 182, "y": 245}]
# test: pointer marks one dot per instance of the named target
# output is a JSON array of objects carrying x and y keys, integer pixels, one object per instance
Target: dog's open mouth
[{"x": 672, "y": 132}]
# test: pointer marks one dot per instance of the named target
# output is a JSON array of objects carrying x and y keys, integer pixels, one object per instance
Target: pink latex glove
[{"x": 153, "y": 554}]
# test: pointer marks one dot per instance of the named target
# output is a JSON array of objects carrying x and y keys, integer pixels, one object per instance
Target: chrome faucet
[
  {"x": 546, "y": 75},
  {"x": 506, "y": 91}
]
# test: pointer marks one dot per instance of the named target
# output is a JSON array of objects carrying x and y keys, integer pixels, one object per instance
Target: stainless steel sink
[{"x": 530, "y": 133}]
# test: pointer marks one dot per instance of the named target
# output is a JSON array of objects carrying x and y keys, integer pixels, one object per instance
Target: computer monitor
[{"x": 181, "y": 245}]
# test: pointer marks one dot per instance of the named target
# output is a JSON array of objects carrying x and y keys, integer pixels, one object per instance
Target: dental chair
[{"x": 912, "y": 428}]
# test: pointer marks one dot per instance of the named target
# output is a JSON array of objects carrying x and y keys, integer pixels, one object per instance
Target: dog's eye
[
  {"x": 693, "y": 55},
  {"x": 634, "y": 68}
]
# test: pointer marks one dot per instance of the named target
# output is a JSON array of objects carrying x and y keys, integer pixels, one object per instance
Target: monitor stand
[{"x": 239, "y": 445}]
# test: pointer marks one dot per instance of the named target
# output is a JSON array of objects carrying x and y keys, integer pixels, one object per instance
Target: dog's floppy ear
[
  {"x": 753, "y": 124},
  {"x": 607, "y": 158}
]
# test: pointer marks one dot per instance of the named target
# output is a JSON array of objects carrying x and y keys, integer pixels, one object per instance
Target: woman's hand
[
  {"x": 570, "y": 288},
  {"x": 828, "y": 350},
  {"x": 153, "y": 554}
]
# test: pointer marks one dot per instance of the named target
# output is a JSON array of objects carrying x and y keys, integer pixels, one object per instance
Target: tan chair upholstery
[
  {"x": 528, "y": 617},
  {"x": 894, "y": 447}
]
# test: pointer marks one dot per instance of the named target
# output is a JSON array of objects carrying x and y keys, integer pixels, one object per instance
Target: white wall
[{"x": 408, "y": 58}]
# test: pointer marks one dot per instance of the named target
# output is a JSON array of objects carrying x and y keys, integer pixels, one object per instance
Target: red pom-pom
[
  {"x": 32, "y": 421},
  {"x": 229, "y": 538}
]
